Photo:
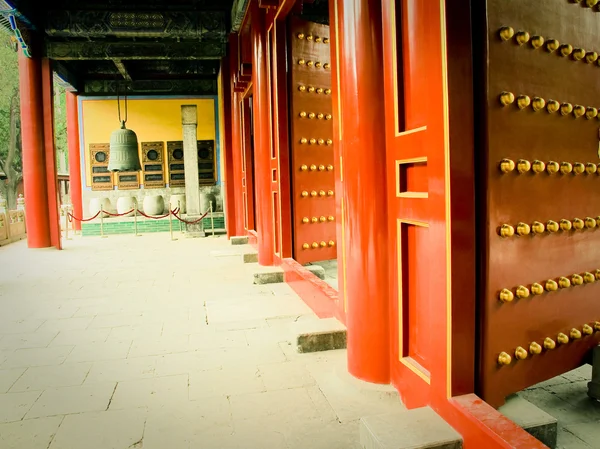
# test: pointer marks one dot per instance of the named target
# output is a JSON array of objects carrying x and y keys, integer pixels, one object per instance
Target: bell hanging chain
[{"x": 119, "y": 106}]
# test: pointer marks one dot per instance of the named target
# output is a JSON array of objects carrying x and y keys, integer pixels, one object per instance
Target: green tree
[
  {"x": 10, "y": 120},
  {"x": 60, "y": 126}
]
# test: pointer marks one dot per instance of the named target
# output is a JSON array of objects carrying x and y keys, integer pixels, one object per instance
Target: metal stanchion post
[
  {"x": 72, "y": 224},
  {"x": 135, "y": 211},
  {"x": 212, "y": 220},
  {"x": 66, "y": 210},
  {"x": 179, "y": 209},
  {"x": 102, "y": 236},
  {"x": 171, "y": 224}
]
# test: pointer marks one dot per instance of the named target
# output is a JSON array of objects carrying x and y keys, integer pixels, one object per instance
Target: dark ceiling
[{"x": 146, "y": 46}]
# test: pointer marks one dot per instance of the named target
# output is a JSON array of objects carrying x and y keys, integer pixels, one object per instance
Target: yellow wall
[{"x": 152, "y": 120}]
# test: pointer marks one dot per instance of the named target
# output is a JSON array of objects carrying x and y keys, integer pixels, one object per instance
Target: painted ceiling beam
[
  {"x": 157, "y": 87},
  {"x": 209, "y": 25},
  {"x": 137, "y": 5},
  {"x": 238, "y": 11},
  {"x": 120, "y": 50}
]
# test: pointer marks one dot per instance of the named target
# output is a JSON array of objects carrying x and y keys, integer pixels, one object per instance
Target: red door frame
[
  {"x": 281, "y": 149},
  {"x": 236, "y": 148},
  {"x": 225, "y": 105},
  {"x": 248, "y": 190},
  {"x": 439, "y": 97}
]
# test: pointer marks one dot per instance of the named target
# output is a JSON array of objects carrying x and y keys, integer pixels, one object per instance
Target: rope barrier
[
  {"x": 173, "y": 212},
  {"x": 154, "y": 218},
  {"x": 191, "y": 222},
  {"x": 119, "y": 215},
  {"x": 83, "y": 220},
  {"x": 73, "y": 217}
]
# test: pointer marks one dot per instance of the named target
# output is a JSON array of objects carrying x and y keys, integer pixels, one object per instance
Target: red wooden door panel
[
  {"x": 417, "y": 195},
  {"x": 539, "y": 276},
  {"x": 312, "y": 158}
]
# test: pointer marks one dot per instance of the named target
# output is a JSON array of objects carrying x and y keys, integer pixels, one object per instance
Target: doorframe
[{"x": 248, "y": 182}]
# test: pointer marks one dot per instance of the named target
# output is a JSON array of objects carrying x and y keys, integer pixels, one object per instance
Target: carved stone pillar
[{"x": 189, "y": 120}]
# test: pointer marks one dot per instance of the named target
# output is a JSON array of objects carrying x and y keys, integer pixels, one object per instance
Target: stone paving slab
[
  {"x": 565, "y": 398},
  {"x": 587, "y": 432},
  {"x": 531, "y": 418},
  {"x": 29, "y": 434},
  {"x": 99, "y": 352},
  {"x": 420, "y": 428},
  {"x": 41, "y": 378},
  {"x": 16, "y": 405},
  {"x": 567, "y": 440},
  {"x": 69, "y": 400},
  {"x": 109, "y": 430}
]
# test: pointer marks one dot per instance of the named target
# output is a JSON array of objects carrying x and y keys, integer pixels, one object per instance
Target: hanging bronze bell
[{"x": 124, "y": 155}]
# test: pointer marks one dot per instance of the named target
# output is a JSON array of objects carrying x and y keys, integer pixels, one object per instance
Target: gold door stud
[
  {"x": 504, "y": 359},
  {"x": 506, "y": 33}
]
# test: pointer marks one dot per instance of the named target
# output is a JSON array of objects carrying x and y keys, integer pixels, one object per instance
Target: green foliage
[
  {"x": 60, "y": 126},
  {"x": 9, "y": 92},
  {"x": 10, "y": 120},
  {"x": 10, "y": 123}
]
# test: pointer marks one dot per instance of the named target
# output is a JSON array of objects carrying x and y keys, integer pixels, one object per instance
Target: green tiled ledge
[{"x": 144, "y": 226}]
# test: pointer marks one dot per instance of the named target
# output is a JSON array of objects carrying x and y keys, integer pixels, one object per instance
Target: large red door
[
  {"x": 539, "y": 313},
  {"x": 313, "y": 180}
]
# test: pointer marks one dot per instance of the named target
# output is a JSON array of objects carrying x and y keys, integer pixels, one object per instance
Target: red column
[
  {"x": 228, "y": 153},
  {"x": 359, "y": 65},
  {"x": 34, "y": 161},
  {"x": 50, "y": 153},
  {"x": 74, "y": 157},
  {"x": 236, "y": 138},
  {"x": 262, "y": 136}
]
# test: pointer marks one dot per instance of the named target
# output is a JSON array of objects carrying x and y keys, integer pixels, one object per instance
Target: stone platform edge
[
  {"x": 317, "y": 294},
  {"x": 325, "y": 334}
]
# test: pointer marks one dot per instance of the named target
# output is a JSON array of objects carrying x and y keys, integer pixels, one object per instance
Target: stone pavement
[
  {"x": 565, "y": 397},
  {"x": 142, "y": 342}
]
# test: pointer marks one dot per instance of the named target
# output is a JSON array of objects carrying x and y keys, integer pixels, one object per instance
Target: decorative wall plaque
[
  {"x": 153, "y": 165},
  {"x": 176, "y": 164},
  {"x": 102, "y": 179},
  {"x": 206, "y": 162}
]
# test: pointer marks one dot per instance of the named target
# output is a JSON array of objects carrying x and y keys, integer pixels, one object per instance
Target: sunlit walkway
[{"x": 146, "y": 343}]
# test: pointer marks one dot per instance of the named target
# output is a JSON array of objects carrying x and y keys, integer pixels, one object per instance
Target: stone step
[
  {"x": 411, "y": 429},
  {"x": 250, "y": 257},
  {"x": 268, "y": 275},
  {"x": 318, "y": 335},
  {"x": 239, "y": 240},
  {"x": 317, "y": 270},
  {"x": 532, "y": 419}
]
